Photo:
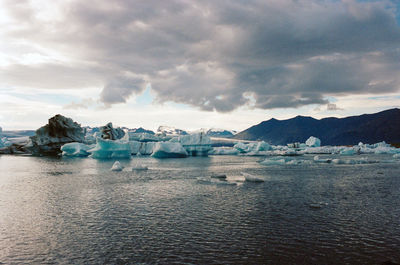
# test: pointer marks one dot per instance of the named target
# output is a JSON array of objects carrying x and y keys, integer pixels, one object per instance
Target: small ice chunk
[
  {"x": 338, "y": 161},
  {"x": 396, "y": 156},
  {"x": 117, "y": 166},
  {"x": 252, "y": 178},
  {"x": 313, "y": 142},
  {"x": 139, "y": 167},
  {"x": 317, "y": 159}
]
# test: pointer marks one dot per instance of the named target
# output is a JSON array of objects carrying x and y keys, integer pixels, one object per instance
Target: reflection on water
[{"x": 77, "y": 211}]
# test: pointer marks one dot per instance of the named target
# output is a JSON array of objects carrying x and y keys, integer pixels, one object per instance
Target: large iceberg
[
  {"x": 76, "y": 149},
  {"x": 169, "y": 150},
  {"x": 59, "y": 131},
  {"x": 141, "y": 148},
  {"x": 106, "y": 148},
  {"x": 197, "y": 144},
  {"x": 313, "y": 142}
]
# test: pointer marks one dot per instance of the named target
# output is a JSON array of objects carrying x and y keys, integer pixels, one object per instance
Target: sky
[{"x": 196, "y": 64}]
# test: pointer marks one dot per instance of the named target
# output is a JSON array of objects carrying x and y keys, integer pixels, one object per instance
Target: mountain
[
  {"x": 367, "y": 128},
  {"x": 141, "y": 130},
  {"x": 168, "y": 130},
  {"x": 216, "y": 132},
  {"x": 17, "y": 133}
]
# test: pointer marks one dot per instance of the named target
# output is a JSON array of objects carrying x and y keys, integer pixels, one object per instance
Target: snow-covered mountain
[
  {"x": 168, "y": 130},
  {"x": 216, "y": 132}
]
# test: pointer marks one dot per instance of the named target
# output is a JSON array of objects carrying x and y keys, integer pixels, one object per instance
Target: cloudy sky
[{"x": 193, "y": 64}]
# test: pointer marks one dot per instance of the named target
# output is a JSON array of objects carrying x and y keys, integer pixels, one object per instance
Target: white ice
[
  {"x": 76, "y": 149},
  {"x": 169, "y": 150},
  {"x": 197, "y": 144},
  {"x": 117, "y": 166},
  {"x": 252, "y": 178},
  {"x": 223, "y": 151},
  {"x": 313, "y": 142},
  {"x": 106, "y": 148}
]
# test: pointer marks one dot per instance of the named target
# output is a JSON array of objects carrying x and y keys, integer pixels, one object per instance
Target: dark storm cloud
[{"x": 223, "y": 54}]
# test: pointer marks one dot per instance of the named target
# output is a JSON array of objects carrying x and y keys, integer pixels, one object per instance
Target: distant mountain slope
[
  {"x": 367, "y": 128},
  {"x": 216, "y": 132},
  {"x": 17, "y": 133},
  {"x": 168, "y": 130}
]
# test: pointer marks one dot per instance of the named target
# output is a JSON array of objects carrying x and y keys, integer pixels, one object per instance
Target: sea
[{"x": 77, "y": 211}]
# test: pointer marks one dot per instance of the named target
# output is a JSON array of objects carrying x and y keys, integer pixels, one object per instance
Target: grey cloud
[
  {"x": 332, "y": 107},
  {"x": 120, "y": 89},
  {"x": 209, "y": 54}
]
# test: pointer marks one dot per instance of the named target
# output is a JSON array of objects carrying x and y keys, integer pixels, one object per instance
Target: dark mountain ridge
[{"x": 367, "y": 128}]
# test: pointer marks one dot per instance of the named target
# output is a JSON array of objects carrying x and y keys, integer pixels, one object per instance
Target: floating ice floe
[
  {"x": 317, "y": 159},
  {"x": 76, "y": 149},
  {"x": 396, "y": 156},
  {"x": 252, "y": 178},
  {"x": 106, "y": 148},
  {"x": 117, "y": 166},
  {"x": 169, "y": 150}
]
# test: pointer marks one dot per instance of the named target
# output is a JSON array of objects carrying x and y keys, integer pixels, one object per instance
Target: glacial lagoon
[{"x": 77, "y": 211}]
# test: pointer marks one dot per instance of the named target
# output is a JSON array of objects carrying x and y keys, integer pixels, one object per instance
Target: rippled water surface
[{"x": 76, "y": 211}]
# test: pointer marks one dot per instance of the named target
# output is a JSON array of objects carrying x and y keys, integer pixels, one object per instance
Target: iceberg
[
  {"x": 59, "y": 131},
  {"x": 143, "y": 137},
  {"x": 253, "y": 149},
  {"x": 4, "y": 142},
  {"x": 223, "y": 151},
  {"x": 109, "y": 132},
  {"x": 141, "y": 148},
  {"x": 106, "y": 148},
  {"x": 350, "y": 151},
  {"x": 197, "y": 144},
  {"x": 76, "y": 149},
  {"x": 313, "y": 142},
  {"x": 117, "y": 166},
  {"x": 169, "y": 150}
]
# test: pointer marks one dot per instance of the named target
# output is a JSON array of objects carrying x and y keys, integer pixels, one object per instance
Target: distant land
[{"x": 367, "y": 128}]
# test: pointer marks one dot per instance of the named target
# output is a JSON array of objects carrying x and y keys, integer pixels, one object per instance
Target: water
[{"x": 76, "y": 211}]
